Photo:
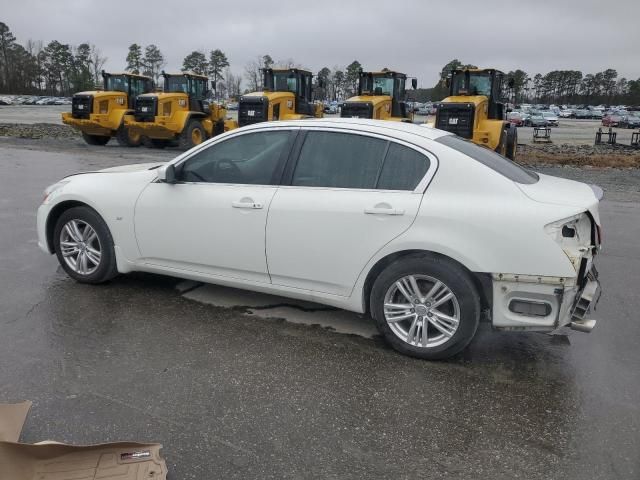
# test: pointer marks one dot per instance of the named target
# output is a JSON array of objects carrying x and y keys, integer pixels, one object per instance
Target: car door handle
[
  {"x": 246, "y": 203},
  {"x": 384, "y": 211}
]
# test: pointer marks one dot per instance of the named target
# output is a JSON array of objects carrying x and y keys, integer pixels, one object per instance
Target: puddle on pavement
[{"x": 272, "y": 306}]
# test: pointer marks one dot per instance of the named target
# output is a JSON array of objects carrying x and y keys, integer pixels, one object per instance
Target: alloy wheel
[
  {"x": 422, "y": 311},
  {"x": 80, "y": 247}
]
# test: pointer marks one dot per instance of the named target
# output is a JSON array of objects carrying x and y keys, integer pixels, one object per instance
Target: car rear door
[{"x": 347, "y": 195}]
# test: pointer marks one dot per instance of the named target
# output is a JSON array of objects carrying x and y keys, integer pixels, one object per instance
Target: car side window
[
  {"x": 339, "y": 160},
  {"x": 403, "y": 168},
  {"x": 253, "y": 159}
]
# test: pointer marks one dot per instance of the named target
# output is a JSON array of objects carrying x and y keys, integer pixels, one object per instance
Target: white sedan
[{"x": 424, "y": 231}]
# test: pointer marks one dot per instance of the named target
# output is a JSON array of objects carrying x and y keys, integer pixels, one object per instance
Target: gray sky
[{"x": 412, "y": 36}]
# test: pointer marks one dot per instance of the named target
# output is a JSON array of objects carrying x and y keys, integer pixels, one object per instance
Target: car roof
[{"x": 361, "y": 124}]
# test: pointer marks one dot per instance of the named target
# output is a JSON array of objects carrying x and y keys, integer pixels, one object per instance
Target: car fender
[{"x": 117, "y": 211}]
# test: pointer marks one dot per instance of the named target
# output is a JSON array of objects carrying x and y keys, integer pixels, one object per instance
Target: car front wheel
[
  {"x": 84, "y": 246},
  {"x": 425, "y": 306}
]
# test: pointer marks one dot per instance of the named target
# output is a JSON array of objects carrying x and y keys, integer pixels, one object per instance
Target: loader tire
[
  {"x": 159, "y": 143},
  {"x": 126, "y": 139},
  {"x": 512, "y": 143},
  {"x": 95, "y": 139},
  {"x": 193, "y": 134}
]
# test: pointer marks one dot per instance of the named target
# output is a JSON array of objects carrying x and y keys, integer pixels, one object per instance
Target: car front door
[
  {"x": 213, "y": 219},
  {"x": 346, "y": 197}
]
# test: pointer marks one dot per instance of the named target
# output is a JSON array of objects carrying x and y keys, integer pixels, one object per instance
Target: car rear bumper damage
[
  {"x": 585, "y": 303},
  {"x": 525, "y": 302}
]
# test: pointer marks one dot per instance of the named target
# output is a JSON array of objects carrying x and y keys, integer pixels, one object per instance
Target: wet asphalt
[{"x": 233, "y": 395}]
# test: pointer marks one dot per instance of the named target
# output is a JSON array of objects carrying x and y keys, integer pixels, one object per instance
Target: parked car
[
  {"x": 629, "y": 121},
  {"x": 567, "y": 113},
  {"x": 5, "y": 101},
  {"x": 224, "y": 212},
  {"x": 596, "y": 114},
  {"x": 536, "y": 119},
  {"x": 611, "y": 120},
  {"x": 424, "y": 110},
  {"x": 551, "y": 118},
  {"x": 582, "y": 114},
  {"x": 232, "y": 106},
  {"x": 517, "y": 118}
]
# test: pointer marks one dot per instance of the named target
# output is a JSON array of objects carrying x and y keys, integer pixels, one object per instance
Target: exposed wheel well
[
  {"x": 54, "y": 215},
  {"x": 482, "y": 281}
]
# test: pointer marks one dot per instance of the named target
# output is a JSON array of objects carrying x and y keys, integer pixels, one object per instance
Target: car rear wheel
[
  {"x": 84, "y": 246},
  {"x": 95, "y": 139},
  {"x": 425, "y": 306}
]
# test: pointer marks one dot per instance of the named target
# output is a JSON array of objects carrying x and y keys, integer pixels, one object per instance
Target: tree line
[
  {"x": 62, "y": 69},
  {"x": 51, "y": 69}
]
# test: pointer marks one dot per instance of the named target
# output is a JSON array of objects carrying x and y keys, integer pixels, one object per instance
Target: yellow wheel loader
[
  {"x": 474, "y": 110},
  {"x": 286, "y": 95},
  {"x": 181, "y": 115},
  {"x": 99, "y": 114},
  {"x": 380, "y": 96}
]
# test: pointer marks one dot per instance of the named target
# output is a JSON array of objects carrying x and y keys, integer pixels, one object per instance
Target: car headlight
[{"x": 52, "y": 189}]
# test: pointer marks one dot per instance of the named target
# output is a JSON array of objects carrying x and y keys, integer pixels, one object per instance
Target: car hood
[
  {"x": 137, "y": 167},
  {"x": 560, "y": 191}
]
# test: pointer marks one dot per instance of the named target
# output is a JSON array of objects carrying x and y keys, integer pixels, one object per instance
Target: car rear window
[
  {"x": 491, "y": 159},
  {"x": 403, "y": 168}
]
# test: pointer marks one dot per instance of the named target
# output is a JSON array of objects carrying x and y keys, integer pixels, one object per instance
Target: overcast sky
[{"x": 412, "y": 36}]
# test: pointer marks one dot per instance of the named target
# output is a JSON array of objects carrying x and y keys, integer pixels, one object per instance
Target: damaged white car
[{"x": 426, "y": 232}]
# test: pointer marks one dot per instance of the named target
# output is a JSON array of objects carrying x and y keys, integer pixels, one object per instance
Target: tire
[
  {"x": 426, "y": 270},
  {"x": 512, "y": 143},
  {"x": 125, "y": 139},
  {"x": 502, "y": 145},
  {"x": 65, "y": 236},
  {"x": 194, "y": 134},
  {"x": 218, "y": 127},
  {"x": 95, "y": 139},
  {"x": 159, "y": 143}
]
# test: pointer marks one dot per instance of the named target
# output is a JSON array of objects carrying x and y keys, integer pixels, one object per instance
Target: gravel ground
[{"x": 570, "y": 131}]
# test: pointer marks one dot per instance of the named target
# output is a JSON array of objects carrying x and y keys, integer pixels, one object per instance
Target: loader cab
[
  {"x": 381, "y": 95},
  {"x": 194, "y": 86},
  {"x": 391, "y": 84},
  {"x": 131, "y": 84},
  {"x": 299, "y": 82},
  {"x": 480, "y": 82}
]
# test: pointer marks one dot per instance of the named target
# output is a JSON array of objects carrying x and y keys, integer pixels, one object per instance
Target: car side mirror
[
  {"x": 414, "y": 83},
  {"x": 167, "y": 174}
]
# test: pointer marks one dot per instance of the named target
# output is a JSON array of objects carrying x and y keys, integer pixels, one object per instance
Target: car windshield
[
  {"x": 491, "y": 159},
  {"x": 117, "y": 83},
  {"x": 284, "y": 82},
  {"x": 548, "y": 114}
]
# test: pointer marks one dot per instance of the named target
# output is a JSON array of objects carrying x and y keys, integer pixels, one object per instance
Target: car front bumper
[{"x": 41, "y": 227}]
